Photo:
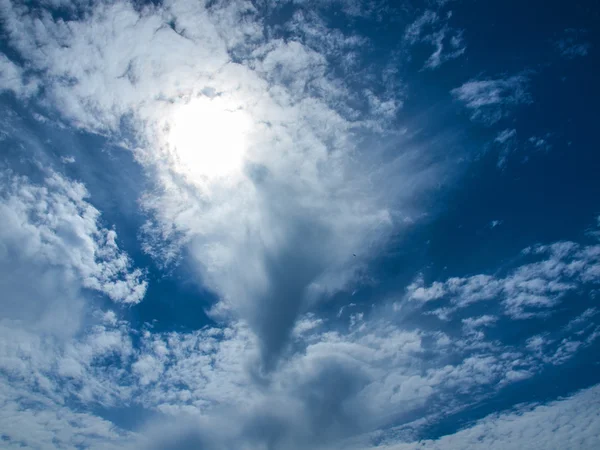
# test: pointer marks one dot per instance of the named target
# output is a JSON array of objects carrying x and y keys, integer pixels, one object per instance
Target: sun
[{"x": 208, "y": 138}]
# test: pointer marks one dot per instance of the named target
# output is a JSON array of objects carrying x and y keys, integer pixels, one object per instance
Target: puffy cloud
[
  {"x": 52, "y": 234},
  {"x": 30, "y": 420},
  {"x": 53, "y": 254},
  {"x": 471, "y": 325},
  {"x": 339, "y": 389}
]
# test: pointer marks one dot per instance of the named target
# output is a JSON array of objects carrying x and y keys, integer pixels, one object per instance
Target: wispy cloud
[
  {"x": 506, "y": 140},
  {"x": 432, "y": 28},
  {"x": 489, "y": 100},
  {"x": 526, "y": 291},
  {"x": 573, "y": 44}
]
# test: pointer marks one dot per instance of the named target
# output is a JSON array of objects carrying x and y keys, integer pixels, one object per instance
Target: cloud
[
  {"x": 273, "y": 239},
  {"x": 343, "y": 388},
  {"x": 526, "y": 291},
  {"x": 573, "y": 44},
  {"x": 12, "y": 78},
  {"x": 298, "y": 185},
  {"x": 51, "y": 234},
  {"x": 31, "y": 421},
  {"x": 279, "y": 233},
  {"x": 489, "y": 100},
  {"x": 56, "y": 260},
  {"x": 506, "y": 140},
  {"x": 472, "y": 324},
  {"x": 337, "y": 389},
  {"x": 570, "y": 423},
  {"x": 432, "y": 28}
]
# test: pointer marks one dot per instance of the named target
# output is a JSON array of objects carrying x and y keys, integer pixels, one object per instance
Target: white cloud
[
  {"x": 59, "y": 242},
  {"x": 505, "y": 135},
  {"x": 490, "y": 99},
  {"x": 432, "y": 28},
  {"x": 570, "y": 423},
  {"x": 327, "y": 388},
  {"x": 53, "y": 252},
  {"x": 540, "y": 143},
  {"x": 12, "y": 78},
  {"x": 471, "y": 325},
  {"x": 530, "y": 290},
  {"x": 506, "y": 140},
  {"x": 302, "y": 202},
  {"x": 338, "y": 386},
  {"x": 414, "y": 31},
  {"x": 30, "y": 420},
  {"x": 272, "y": 239}
]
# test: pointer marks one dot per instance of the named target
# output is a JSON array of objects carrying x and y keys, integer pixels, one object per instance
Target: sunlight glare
[{"x": 209, "y": 138}]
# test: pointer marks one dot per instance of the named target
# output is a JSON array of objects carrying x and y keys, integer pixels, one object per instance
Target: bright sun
[{"x": 209, "y": 137}]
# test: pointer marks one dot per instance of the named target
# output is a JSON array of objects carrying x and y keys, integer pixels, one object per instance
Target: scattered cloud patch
[
  {"x": 569, "y": 423},
  {"x": 530, "y": 290},
  {"x": 506, "y": 140},
  {"x": 433, "y": 29},
  {"x": 52, "y": 229},
  {"x": 490, "y": 100},
  {"x": 541, "y": 142},
  {"x": 573, "y": 43}
]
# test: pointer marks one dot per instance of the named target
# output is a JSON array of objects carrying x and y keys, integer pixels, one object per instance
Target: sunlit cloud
[{"x": 208, "y": 138}]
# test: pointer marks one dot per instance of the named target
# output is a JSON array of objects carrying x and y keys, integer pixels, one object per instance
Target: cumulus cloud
[
  {"x": 336, "y": 390},
  {"x": 489, "y": 100},
  {"x": 54, "y": 253},
  {"x": 52, "y": 235},
  {"x": 31, "y": 421}
]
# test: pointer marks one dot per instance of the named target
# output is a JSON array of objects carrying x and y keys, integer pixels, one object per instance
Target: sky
[{"x": 299, "y": 224}]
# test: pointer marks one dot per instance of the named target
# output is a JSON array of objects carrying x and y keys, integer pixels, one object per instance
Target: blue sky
[{"x": 299, "y": 224}]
